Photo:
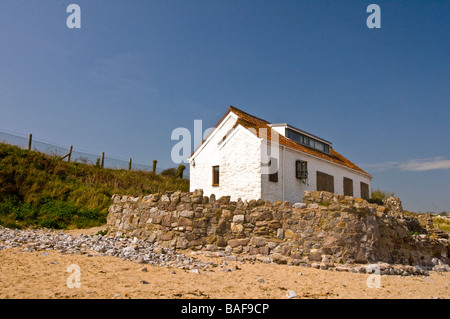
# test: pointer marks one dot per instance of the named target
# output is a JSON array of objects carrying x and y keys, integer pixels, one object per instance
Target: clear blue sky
[{"x": 136, "y": 70}]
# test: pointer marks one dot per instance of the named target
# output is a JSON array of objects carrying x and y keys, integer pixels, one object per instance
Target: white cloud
[
  {"x": 426, "y": 164},
  {"x": 415, "y": 165}
]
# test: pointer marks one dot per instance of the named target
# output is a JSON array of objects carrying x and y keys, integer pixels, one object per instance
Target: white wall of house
[
  {"x": 206, "y": 157},
  {"x": 238, "y": 158},
  {"x": 240, "y": 166},
  {"x": 289, "y": 188}
]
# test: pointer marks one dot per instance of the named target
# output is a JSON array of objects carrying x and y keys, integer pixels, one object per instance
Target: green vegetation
[
  {"x": 38, "y": 190},
  {"x": 379, "y": 194},
  {"x": 102, "y": 232},
  {"x": 441, "y": 223},
  {"x": 169, "y": 172},
  {"x": 326, "y": 204}
]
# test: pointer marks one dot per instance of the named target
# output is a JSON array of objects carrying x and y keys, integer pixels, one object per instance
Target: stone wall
[{"x": 324, "y": 228}]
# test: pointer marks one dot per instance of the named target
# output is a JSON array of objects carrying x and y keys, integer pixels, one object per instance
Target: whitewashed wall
[
  {"x": 209, "y": 156},
  {"x": 240, "y": 166},
  {"x": 293, "y": 188},
  {"x": 238, "y": 157}
]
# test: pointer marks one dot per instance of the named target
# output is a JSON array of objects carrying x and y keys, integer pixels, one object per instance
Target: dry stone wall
[{"x": 325, "y": 228}]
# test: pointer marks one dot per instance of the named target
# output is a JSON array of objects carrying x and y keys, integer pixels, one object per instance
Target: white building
[{"x": 249, "y": 158}]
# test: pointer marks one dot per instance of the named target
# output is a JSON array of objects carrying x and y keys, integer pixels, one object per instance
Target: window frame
[
  {"x": 214, "y": 175},
  {"x": 348, "y": 181},
  {"x": 364, "y": 186},
  {"x": 301, "y": 169},
  {"x": 328, "y": 185},
  {"x": 274, "y": 176}
]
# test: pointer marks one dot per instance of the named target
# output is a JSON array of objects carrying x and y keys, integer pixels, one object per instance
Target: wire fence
[{"x": 76, "y": 155}]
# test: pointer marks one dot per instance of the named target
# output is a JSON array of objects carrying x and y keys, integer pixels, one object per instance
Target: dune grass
[{"x": 38, "y": 190}]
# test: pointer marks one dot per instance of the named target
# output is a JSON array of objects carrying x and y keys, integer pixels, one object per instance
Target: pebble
[
  {"x": 144, "y": 252},
  {"x": 139, "y": 251},
  {"x": 291, "y": 294},
  {"x": 226, "y": 269},
  {"x": 230, "y": 258}
]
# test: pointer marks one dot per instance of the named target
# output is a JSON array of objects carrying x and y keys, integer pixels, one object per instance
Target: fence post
[
  {"x": 129, "y": 164},
  {"x": 70, "y": 154},
  {"x": 102, "y": 162},
  {"x": 154, "y": 166},
  {"x": 180, "y": 170},
  {"x": 30, "y": 138}
]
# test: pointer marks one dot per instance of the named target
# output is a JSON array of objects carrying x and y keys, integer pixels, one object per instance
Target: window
[
  {"x": 274, "y": 176},
  {"x": 307, "y": 141},
  {"x": 301, "y": 169},
  {"x": 215, "y": 176},
  {"x": 294, "y": 136},
  {"x": 348, "y": 187},
  {"x": 325, "y": 182},
  {"x": 364, "y": 191}
]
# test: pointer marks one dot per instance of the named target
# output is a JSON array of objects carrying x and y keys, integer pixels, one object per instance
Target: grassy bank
[
  {"x": 38, "y": 190},
  {"x": 442, "y": 223}
]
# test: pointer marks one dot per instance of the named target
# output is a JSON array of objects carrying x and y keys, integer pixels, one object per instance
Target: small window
[
  {"x": 274, "y": 176},
  {"x": 319, "y": 146},
  {"x": 306, "y": 140},
  {"x": 215, "y": 176},
  {"x": 301, "y": 169},
  {"x": 348, "y": 186}
]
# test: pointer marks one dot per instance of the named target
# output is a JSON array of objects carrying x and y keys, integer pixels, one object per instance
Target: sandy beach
[{"x": 43, "y": 274}]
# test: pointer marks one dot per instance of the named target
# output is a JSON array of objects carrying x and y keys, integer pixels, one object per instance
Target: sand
[{"x": 44, "y": 274}]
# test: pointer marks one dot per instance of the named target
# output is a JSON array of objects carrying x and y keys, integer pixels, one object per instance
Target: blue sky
[{"x": 136, "y": 70}]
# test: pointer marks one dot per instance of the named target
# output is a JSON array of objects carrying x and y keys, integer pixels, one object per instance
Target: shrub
[
  {"x": 379, "y": 194},
  {"x": 169, "y": 172},
  {"x": 48, "y": 223}
]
